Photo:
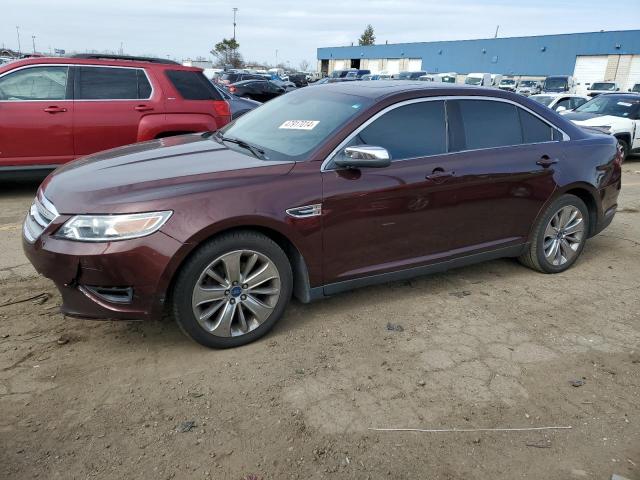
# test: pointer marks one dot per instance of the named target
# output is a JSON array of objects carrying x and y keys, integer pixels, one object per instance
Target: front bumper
[{"x": 85, "y": 273}]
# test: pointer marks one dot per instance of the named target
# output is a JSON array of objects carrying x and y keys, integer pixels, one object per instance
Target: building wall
[{"x": 534, "y": 56}]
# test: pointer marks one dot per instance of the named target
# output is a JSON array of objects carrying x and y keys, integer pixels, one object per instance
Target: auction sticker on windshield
[{"x": 299, "y": 124}]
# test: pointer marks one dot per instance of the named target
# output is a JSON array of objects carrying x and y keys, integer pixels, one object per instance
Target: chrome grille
[{"x": 39, "y": 217}]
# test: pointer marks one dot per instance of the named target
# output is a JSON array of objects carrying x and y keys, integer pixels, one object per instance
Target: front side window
[
  {"x": 577, "y": 102},
  {"x": 110, "y": 83},
  {"x": 477, "y": 124},
  {"x": 35, "y": 83},
  {"x": 565, "y": 102},
  {"x": 411, "y": 131}
]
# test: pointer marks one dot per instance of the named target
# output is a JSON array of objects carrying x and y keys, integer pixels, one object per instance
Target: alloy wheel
[
  {"x": 563, "y": 235},
  {"x": 236, "y": 293}
]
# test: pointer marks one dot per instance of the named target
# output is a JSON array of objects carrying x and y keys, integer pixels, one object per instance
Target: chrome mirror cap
[{"x": 360, "y": 156}]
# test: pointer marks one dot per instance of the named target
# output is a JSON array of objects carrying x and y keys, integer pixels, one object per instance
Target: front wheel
[
  {"x": 232, "y": 290},
  {"x": 559, "y": 236},
  {"x": 624, "y": 147}
]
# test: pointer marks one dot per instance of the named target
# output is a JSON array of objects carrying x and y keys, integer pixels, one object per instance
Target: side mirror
[
  {"x": 361, "y": 156},
  {"x": 561, "y": 109},
  {"x": 617, "y": 89}
]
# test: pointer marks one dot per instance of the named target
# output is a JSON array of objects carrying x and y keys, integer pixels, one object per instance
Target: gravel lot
[{"x": 489, "y": 346}]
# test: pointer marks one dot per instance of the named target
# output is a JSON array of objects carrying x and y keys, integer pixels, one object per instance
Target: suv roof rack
[{"x": 105, "y": 56}]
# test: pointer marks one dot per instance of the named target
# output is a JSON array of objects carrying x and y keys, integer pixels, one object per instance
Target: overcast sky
[{"x": 189, "y": 28}]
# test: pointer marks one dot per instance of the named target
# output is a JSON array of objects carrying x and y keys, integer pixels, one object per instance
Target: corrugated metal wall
[{"x": 542, "y": 55}]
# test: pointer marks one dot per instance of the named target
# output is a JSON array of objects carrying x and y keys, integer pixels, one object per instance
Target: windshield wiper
[{"x": 255, "y": 150}]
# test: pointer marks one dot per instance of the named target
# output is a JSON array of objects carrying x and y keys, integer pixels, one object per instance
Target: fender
[
  {"x": 295, "y": 235},
  {"x": 152, "y": 125},
  {"x": 558, "y": 192}
]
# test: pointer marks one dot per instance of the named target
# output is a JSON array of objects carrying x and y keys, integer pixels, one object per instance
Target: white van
[
  {"x": 559, "y": 84},
  {"x": 478, "y": 79},
  {"x": 496, "y": 78}
]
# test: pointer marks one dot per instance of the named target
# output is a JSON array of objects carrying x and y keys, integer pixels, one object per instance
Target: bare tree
[{"x": 304, "y": 66}]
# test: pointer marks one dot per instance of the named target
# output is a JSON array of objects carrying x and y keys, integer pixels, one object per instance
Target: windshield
[
  {"x": 612, "y": 105},
  {"x": 508, "y": 82},
  {"x": 636, "y": 88},
  {"x": 404, "y": 75},
  {"x": 527, "y": 83},
  {"x": 543, "y": 99},
  {"x": 448, "y": 79},
  {"x": 473, "y": 80},
  {"x": 603, "y": 86},
  {"x": 556, "y": 84},
  {"x": 292, "y": 125}
]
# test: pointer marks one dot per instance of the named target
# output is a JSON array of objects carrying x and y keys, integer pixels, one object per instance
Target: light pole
[
  {"x": 18, "y": 32},
  {"x": 235, "y": 10},
  {"x": 276, "y": 58},
  {"x": 33, "y": 39}
]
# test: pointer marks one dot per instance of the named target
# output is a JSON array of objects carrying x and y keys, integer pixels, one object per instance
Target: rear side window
[
  {"x": 193, "y": 85},
  {"x": 410, "y": 131},
  {"x": 111, "y": 83},
  {"x": 34, "y": 83},
  {"x": 477, "y": 124},
  {"x": 534, "y": 130}
]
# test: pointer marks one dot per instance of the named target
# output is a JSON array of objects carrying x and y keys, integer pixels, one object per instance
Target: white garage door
[
  {"x": 393, "y": 65},
  {"x": 634, "y": 73},
  {"x": 415, "y": 64},
  {"x": 589, "y": 69}
]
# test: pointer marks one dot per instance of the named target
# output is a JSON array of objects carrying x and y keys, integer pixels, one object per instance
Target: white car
[
  {"x": 597, "y": 88},
  {"x": 529, "y": 87},
  {"x": 615, "y": 113},
  {"x": 560, "y": 101}
]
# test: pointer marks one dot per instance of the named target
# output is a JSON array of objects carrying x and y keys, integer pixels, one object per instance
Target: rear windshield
[
  {"x": 193, "y": 85},
  {"x": 543, "y": 99}
]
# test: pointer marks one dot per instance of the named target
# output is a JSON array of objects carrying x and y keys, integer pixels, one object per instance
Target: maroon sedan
[{"x": 321, "y": 190}]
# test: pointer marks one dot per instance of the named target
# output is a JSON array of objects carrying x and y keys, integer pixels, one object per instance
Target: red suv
[{"x": 53, "y": 110}]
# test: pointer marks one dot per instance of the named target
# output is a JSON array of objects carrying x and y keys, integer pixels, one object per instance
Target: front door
[
  {"x": 109, "y": 105},
  {"x": 375, "y": 220},
  {"x": 36, "y": 117}
]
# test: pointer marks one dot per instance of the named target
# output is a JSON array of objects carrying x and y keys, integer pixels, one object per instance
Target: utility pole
[
  {"x": 497, "y": 28},
  {"x": 18, "y": 32},
  {"x": 235, "y": 11},
  {"x": 33, "y": 39},
  {"x": 276, "y": 57}
]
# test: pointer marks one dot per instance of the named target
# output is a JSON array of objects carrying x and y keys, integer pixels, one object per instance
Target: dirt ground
[{"x": 490, "y": 346}]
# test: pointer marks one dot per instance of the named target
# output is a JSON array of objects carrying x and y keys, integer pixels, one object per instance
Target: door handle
[
  {"x": 55, "y": 109},
  {"x": 546, "y": 162},
  {"x": 142, "y": 108},
  {"x": 438, "y": 175}
]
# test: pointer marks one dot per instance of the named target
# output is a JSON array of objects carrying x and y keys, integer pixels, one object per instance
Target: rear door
[
  {"x": 109, "y": 104},
  {"x": 501, "y": 165},
  {"x": 36, "y": 116}
]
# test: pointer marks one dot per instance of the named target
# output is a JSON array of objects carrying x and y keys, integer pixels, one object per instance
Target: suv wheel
[
  {"x": 559, "y": 236},
  {"x": 232, "y": 290},
  {"x": 624, "y": 146}
]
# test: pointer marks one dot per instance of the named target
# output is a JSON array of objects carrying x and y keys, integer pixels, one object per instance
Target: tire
[
  {"x": 544, "y": 236},
  {"x": 206, "y": 302},
  {"x": 624, "y": 145}
]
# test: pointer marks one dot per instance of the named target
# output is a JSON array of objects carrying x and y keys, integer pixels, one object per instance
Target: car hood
[
  {"x": 593, "y": 119},
  {"x": 142, "y": 176}
]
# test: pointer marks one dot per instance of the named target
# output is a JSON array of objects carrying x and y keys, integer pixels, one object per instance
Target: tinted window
[
  {"x": 35, "y": 83},
  {"x": 193, "y": 85},
  {"x": 106, "y": 83},
  {"x": 475, "y": 124},
  {"x": 414, "y": 130},
  {"x": 144, "y": 87},
  {"x": 534, "y": 130}
]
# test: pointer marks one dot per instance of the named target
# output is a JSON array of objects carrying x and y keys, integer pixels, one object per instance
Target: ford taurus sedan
[{"x": 319, "y": 191}]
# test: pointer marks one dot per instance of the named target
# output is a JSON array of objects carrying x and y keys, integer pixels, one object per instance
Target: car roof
[
  {"x": 114, "y": 62},
  {"x": 385, "y": 88},
  {"x": 251, "y": 80}
]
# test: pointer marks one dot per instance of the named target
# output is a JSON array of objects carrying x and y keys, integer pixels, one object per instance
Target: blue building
[{"x": 590, "y": 57}]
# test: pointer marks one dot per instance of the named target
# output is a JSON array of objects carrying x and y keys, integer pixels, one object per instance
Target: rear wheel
[
  {"x": 559, "y": 236},
  {"x": 232, "y": 290}
]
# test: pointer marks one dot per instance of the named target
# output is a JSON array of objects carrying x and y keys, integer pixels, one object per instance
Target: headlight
[
  {"x": 603, "y": 128},
  {"x": 106, "y": 228}
]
